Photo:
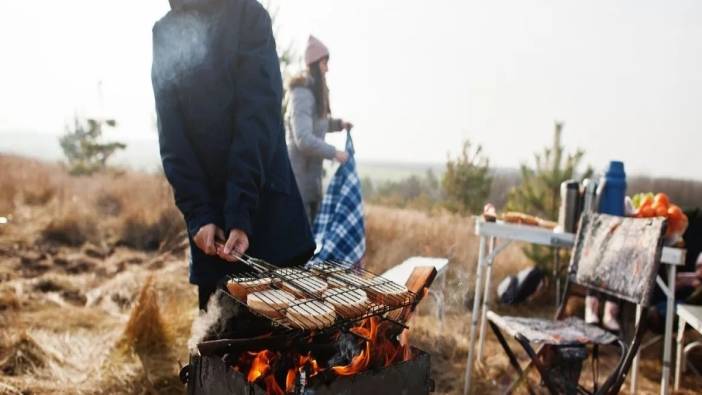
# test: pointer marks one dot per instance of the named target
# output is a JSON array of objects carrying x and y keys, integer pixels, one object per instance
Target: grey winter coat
[{"x": 305, "y": 138}]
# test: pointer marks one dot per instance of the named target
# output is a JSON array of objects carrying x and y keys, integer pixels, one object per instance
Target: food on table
[
  {"x": 271, "y": 302},
  {"x": 311, "y": 314},
  {"x": 526, "y": 219},
  {"x": 648, "y": 205},
  {"x": 489, "y": 213},
  {"x": 241, "y": 287},
  {"x": 661, "y": 199},
  {"x": 347, "y": 302}
]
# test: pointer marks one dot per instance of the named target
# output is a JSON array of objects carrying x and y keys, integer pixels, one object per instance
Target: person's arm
[
  {"x": 258, "y": 119},
  {"x": 338, "y": 124},
  {"x": 302, "y": 124},
  {"x": 335, "y": 125},
  {"x": 180, "y": 164}
]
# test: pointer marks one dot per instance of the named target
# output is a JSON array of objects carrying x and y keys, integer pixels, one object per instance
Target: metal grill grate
[{"x": 320, "y": 297}]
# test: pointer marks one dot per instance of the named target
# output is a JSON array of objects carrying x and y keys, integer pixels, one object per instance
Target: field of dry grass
[{"x": 94, "y": 296}]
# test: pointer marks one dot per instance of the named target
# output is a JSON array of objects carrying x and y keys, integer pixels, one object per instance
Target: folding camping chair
[{"x": 615, "y": 256}]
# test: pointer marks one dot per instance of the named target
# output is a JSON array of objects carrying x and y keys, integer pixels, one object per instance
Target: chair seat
[{"x": 570, "y": 331}]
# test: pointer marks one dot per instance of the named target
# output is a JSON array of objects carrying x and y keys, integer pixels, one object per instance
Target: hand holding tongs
[{"x": 254, "y": 263}]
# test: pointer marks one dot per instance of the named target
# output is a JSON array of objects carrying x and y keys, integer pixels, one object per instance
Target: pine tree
[
  {"x": 466, "y": 182},
  {"x": 539, "y": 191},
  {"x": 81, "y": 146}
]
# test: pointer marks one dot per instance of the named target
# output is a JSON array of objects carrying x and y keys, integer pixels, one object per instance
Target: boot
[
  {"x": 592, "y": 308},
  {"x": 610, "y": 318}
]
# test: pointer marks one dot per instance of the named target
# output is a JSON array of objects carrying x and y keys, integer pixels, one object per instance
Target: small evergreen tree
[
  {"x": 81, "y": 146},
  {"x": 467, "y": 181},
  {"x": 540, "y": 188}
]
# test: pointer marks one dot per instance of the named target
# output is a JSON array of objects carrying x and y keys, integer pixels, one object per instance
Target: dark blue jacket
[{"x": 218, "y": 92}]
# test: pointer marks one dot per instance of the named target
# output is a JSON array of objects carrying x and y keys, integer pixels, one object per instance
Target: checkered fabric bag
[{"x": 339, "y": 230}]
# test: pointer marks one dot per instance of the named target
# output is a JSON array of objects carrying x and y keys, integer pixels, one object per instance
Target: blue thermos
[{"x": 612, "y": 190}]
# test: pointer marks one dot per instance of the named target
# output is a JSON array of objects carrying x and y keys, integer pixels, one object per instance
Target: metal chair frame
[{"x": 627, "y": 350}]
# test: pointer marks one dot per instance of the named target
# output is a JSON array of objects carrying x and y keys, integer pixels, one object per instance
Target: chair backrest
[{"x": 618, "y": 256}]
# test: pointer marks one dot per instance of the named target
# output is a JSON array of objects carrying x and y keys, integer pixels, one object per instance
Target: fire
[
  {"x": 260, "y": 366},
  {"x": 368, "y": 330},
  {"x": 306, "y": 364},
  {"x": 380, "y": 349}
]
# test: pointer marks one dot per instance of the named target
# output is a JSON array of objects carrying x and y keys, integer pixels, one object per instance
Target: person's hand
[
  {"x": 205, "y": 238},
  {"x": 687, "y": 279},
  {"x": 236, "y": 244},
  {"x": 346, "y": 125},
  {"x": 341, "y": 156}
]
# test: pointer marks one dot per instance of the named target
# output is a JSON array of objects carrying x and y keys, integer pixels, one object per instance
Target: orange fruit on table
[
  {"x": 661, "y": 199},
  {"x": 675, "y": 212},
  {"x": 647, "y": 212},
  {"x": 661, "y": 210},
  {"x": 646, "y": 201}
]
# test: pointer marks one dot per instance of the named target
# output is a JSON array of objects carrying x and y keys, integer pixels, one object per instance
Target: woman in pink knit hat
[{"x": 308, "y": 119}]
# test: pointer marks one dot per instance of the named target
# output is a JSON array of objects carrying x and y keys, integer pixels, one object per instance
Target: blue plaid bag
[{"x": 339, "y": 229}]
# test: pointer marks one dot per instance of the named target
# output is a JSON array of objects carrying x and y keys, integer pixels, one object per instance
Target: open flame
[
  {"x": 306, "y": 365},
  {"x": 260, "y": 365},
  {"x": 379, "y": 350}
]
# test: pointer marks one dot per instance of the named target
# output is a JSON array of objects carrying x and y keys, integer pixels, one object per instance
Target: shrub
[
  {"x": 81, "y": 146},
  {"x": 466, "y": 183}
]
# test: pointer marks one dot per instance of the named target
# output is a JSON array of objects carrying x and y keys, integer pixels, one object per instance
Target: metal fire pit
[{"x": 212, "y": 376}]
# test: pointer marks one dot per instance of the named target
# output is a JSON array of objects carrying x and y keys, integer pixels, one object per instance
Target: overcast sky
[{"x": 416, "y": 77}]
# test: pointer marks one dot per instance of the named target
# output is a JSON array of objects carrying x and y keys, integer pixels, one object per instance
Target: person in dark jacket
[{"x": 218, "y": 92}]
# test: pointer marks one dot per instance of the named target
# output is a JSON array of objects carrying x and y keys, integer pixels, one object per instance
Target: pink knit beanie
[{"x": 315, "y": 50}]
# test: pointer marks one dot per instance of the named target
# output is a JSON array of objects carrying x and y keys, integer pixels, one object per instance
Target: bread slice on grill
[
  {"x": 303, "y": 287},
  {"x": 311, "y": 314},
  {"x": 344, "y": 279},
  {"x": 240, "y": 287},
  {"x": 291, "y": 273},
  {"x": 348, "y": 302},
  {"x": 272, "y": 303},
  {"x": 387, "y": 292}
]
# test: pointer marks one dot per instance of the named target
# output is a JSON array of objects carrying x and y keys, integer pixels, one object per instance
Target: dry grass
[{"x": 94, "y": 296}]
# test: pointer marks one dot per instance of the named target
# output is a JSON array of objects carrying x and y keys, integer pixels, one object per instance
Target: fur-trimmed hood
[{"x": 301, "y": 80}]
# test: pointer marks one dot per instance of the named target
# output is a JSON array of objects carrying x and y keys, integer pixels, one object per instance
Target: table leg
[
  {"x": 635, "y": 364},
  {"x": 556, "y": 277},
  {"x": 668, "y": 337},
  {"x": 679, "y": 353},
  {"x": 486, "y": 299},
  {"x": 475, "y": 314}
]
